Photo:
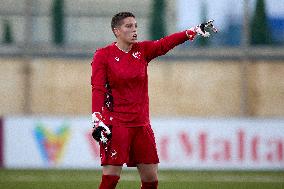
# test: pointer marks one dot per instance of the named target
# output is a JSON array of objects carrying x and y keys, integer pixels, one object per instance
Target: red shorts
[{"x": 130, "y": 145}]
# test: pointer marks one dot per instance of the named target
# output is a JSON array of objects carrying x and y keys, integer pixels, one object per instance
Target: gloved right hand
[{"x": 101, "y": 132}]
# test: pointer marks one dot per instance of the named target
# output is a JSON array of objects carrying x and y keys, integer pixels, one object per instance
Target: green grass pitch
[{"x": 169, "y": 179}]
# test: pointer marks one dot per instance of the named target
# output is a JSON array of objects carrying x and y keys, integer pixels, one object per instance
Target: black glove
[
  {"x": 101, "y": 132},
  {"x": 201, "y": 28}
]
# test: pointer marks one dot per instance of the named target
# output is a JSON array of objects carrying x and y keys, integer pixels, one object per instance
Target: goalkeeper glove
[
  {"x": 101, "y": 132},
  {"x": 201, "y": 28}
]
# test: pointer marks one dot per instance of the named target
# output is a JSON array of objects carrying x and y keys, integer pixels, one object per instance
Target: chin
[{"x": 132, "y": 41}]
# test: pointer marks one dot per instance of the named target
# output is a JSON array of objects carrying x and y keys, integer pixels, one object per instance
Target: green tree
[
  {"x": 158, "y": 25},
  {"x": 260, "y": 33},
  {"x": 7, "y": 32},
  {"x": 58, "y": 22},
  {"x": 202, "y": 41}
]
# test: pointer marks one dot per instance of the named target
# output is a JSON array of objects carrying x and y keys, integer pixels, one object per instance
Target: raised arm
[
  {"x": 160, "y": 47},
  {"x": 153, "y": 49}
]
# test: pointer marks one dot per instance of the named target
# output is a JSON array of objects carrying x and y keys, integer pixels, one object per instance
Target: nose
[{"x": 134, "y": 28}]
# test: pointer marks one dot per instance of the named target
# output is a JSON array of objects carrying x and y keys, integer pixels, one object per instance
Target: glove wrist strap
[{"x": 96, "y": 117}]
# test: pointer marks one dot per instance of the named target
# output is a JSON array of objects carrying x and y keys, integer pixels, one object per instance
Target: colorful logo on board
[{"x": 51, "y": 143}]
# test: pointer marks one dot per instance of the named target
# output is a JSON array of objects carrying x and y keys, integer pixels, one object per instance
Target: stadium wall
[{"x": 176, "y": 88}]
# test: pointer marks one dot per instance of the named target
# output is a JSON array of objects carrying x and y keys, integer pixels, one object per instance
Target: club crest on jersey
[
  {"x": 116, "y": 58},
  {"x": 136, "y": 54}
]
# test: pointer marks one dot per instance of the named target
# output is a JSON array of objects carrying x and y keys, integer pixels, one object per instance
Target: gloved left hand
[{"x": 201, "y": 28}]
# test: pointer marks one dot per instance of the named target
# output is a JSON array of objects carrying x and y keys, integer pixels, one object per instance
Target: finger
[
  {"x": 105, "y": 127},
  {"x": 210, "y": 25},
  {"x": 206, "y": 34}
]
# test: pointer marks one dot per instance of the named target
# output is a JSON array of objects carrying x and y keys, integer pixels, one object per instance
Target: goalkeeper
[{"x": 120, "y": 102}]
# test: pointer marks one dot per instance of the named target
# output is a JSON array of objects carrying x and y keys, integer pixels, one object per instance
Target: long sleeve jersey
[{"x": 120, "y": 80}]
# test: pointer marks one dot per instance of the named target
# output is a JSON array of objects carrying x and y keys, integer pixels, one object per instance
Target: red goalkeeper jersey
[{"x": 120, "y": 80}]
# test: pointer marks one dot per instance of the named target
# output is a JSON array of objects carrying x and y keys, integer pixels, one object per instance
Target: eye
[{"x": 136, "y": 26}]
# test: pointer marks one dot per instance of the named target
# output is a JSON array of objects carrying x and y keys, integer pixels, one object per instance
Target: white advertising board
[
  {"x": 39, "y": 142},
  {"x": 220, "y": 143},
  {"x": 65, "y": 142}
]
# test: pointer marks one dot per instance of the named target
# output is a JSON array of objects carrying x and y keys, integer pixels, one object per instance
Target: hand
[
  {"x": 201, "y": 28},
  {"x": 101, "y": 132}
]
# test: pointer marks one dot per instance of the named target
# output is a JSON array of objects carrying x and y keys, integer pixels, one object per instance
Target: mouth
[{"x": 134, "y": 37}]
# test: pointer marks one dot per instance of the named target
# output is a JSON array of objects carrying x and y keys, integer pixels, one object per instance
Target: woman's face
[{"x": 127, "y": 31}]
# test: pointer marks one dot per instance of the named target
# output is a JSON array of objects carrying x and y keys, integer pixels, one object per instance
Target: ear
[{"x": 116, "y": 32}]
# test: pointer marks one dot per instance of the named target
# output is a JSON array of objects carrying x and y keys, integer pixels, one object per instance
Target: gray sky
[{"x": 188, "y": 12}]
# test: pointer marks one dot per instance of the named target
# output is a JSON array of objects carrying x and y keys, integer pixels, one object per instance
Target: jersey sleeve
[
  {"x": 160, "y": 47},
  {"x": 98, "y": 81}
]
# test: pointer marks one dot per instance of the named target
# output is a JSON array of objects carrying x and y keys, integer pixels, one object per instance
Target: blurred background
[
  {"x": 233, "y": 80},
  {"x": 47, "y": 46}
]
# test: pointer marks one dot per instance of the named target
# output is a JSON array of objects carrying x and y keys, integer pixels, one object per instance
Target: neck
[{"x": 123, "y": 46}]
